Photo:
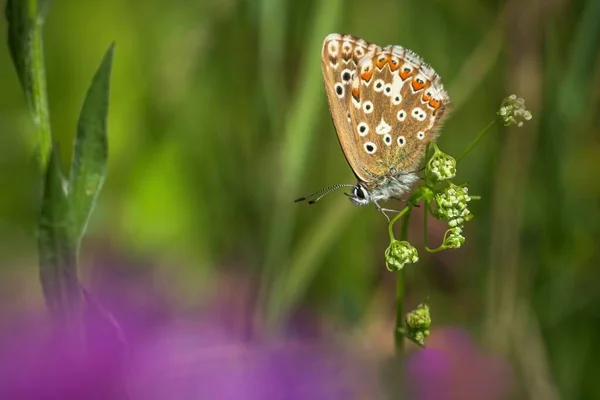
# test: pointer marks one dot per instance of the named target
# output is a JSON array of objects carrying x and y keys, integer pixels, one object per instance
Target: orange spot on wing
[
  {"x": 417, "y": 85},
  {"x": 366, "y": 76},
  {"x": 381, "y": 61},
  {"x": 356, "y": 94},
  {"x": 436, "y": 105},
  {"x": 404, "y": 74},
  {"x": 394, "y": 65}
]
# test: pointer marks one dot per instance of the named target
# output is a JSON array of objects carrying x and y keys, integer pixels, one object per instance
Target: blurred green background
[{"x": 218, "y": 120}]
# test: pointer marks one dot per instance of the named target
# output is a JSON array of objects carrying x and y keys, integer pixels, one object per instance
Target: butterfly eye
[{"x": 359, "y": 192}]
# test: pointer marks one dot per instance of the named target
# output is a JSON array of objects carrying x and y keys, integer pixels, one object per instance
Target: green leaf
[
  {"x": 58, "y": 268},
  {"x": 25, "y": 23},
  {"x": 90, "y": 156}
]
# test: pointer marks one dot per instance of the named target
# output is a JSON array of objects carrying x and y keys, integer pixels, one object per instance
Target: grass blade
[
  {"x": 90, "y": 156},
  {"x": 58, "y": 269}
]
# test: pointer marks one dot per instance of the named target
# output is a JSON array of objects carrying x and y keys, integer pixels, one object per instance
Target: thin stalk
[
  {"x": 39, "y": 91},
  {"x": 476, "y": 140},
  {"x": 395, "y": 219},
  {"x": 426, "y": 230},
  {"x": 426, "y": 223},
  {"x": 400, "y": 292}
]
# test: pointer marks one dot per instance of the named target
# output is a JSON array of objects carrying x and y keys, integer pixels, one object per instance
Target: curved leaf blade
[
  {"x": 58, "y": 270},
  {"x": 90, "y": 156}
]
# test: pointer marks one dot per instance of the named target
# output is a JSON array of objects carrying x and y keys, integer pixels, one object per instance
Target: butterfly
[{"x": 387, "y": 105}]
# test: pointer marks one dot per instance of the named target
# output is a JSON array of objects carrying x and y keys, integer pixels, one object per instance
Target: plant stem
[
  {"x": 426, "y": 230},
  {"x": 400, "y": 291},
  {"x": 395, "y": 219},
  {"x": 426, "y": 205},
  {"x": 476, "y": 140},
  {"x": 39, "y": 91},
  {"x": 399, "y": 330}
]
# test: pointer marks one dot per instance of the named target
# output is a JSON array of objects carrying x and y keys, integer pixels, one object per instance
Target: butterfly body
[{"x": 387, "y": 105}]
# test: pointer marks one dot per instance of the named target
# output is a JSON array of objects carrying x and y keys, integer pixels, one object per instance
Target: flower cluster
[
  {"x": 399, "y": 253},
  {"x": 513, "y": 111},
  {"x": 418, "y": 322},
  {"x": 453, "y": 238},
  {"x": 440, "y": 166},
  {"x": 451, "y": 205}
]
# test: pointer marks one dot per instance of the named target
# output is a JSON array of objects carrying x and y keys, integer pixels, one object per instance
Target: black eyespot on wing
[
  {"x": 370, "y": 147},
  {"x": 339, "y": 90},
  {"x": 362, "y": 129},
  {"x": 346, "y": 76}
]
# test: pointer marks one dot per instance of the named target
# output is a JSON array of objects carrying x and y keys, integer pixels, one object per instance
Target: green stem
[
  {"x": 38, "y": 85},
  {"x": 476, "y": 140},
  {"x": 400, "y": 291},
  {"x": 426, "y": 231},
  {"x": 399, "y": 331},
  {"x": 426, "y": 223},
  {"x": 395, "y": 219}
]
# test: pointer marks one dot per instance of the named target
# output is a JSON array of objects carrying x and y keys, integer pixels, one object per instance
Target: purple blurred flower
[
  {"x": 453, "y": 368},
  {"x": 160, "y": 353}
]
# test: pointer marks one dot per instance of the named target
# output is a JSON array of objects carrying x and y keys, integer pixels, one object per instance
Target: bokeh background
[{"x": 218, "y": 120}]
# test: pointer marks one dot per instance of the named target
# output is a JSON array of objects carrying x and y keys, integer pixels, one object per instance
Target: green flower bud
[
  {"x": 440, "y": 166},
  {"x": 453, "y": 238},
  {"x": 418, "y": 323},
  {"x": 513, "y": 111},
  {"x": 398, "y": 254},
  {"x": 451, "y": 205}
]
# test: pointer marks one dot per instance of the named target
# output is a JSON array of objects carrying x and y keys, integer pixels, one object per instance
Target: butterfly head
[{"x": 360, "y": 196}]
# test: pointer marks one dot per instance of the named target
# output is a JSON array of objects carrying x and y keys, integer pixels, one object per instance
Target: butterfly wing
[
  {"x": 340, "y": 56},
  {"x": 397, "y": 103}
]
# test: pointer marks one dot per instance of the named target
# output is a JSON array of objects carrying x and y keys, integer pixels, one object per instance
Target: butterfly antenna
[{"x": 324, "y": 191}]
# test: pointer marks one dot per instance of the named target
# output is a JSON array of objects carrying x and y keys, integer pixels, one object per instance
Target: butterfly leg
[{"x": 383, "y": 210}]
